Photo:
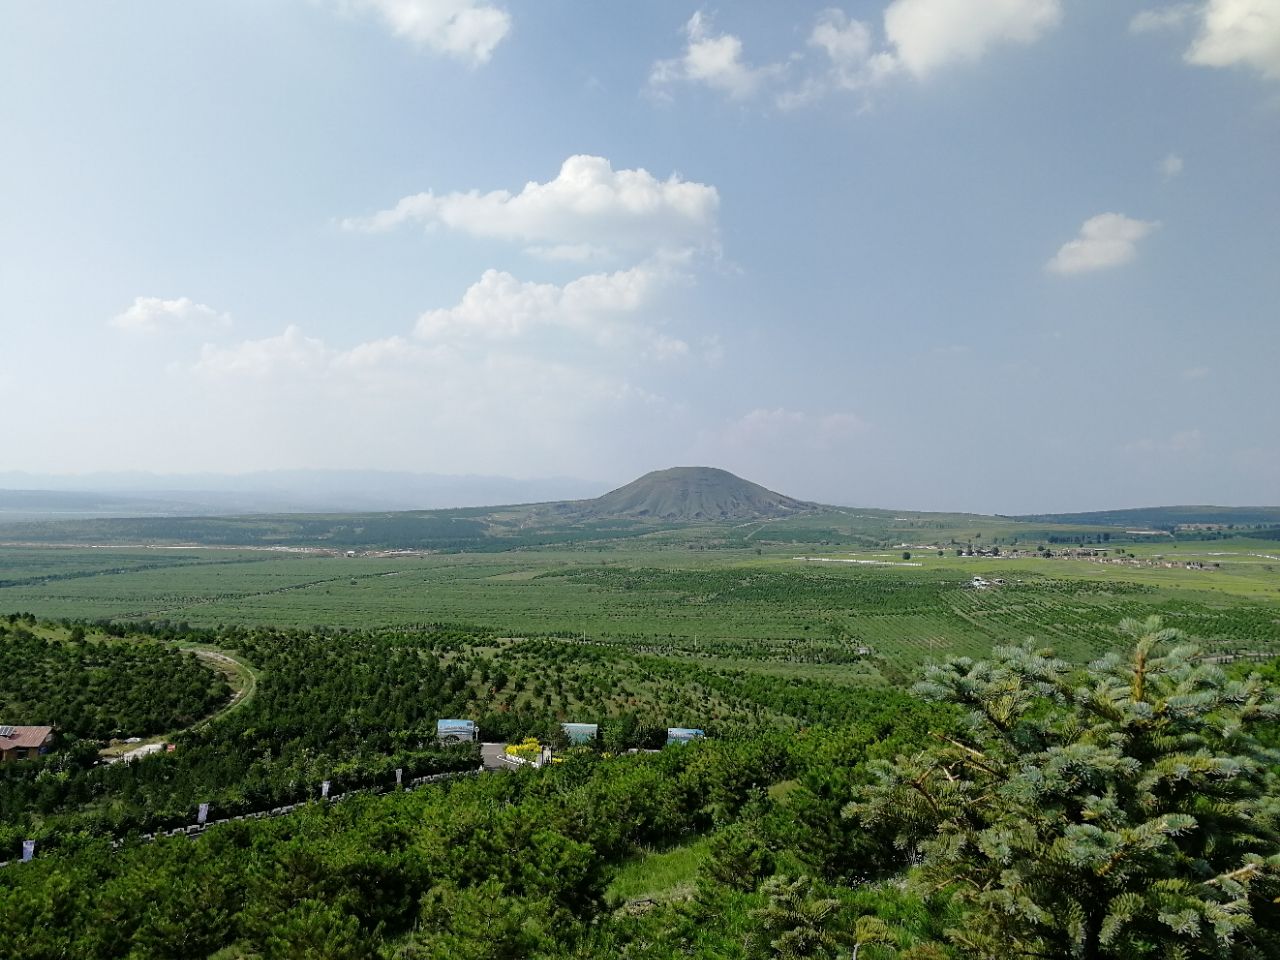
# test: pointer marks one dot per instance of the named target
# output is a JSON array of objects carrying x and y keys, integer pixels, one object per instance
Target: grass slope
[{"x": 658, "y": 875}]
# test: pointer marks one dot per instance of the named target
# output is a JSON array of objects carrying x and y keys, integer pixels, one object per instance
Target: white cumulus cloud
[
  {"x": 1239, "y": 33},
  {"x": 466, "y": 29},
  {"x": 715, "y": 60},
  {"x": 152, "y": 315},
  {"x": 919, "y": 37},
  {"x": 607, "y": 309},
  {"x": 587, "y": 211},
  {"x": 1229, "y": 33},
  {"x": 930, "y": 34},
  {"x": 854, "y": 61},
  {"x": 1107, "y": 240}
]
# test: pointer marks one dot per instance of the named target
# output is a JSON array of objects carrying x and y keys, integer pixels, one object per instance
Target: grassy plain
[
  {"x": 757, "y": 607},
  {"x": 497, "y": 529}
]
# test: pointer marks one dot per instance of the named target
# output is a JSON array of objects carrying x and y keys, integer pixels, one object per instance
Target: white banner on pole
[
  {"x": 202, "y": 815},
  {"x": 399, "y": 775},
  {"x": 28, "y": 850},
  {"x": 324, "y": 790}
]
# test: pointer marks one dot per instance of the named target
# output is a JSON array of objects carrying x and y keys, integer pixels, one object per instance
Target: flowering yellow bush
[{"x": 529, "y": 749}]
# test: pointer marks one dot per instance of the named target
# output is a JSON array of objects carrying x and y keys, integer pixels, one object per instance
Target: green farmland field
[
  {"x": 797, "y": 658},
  {"x": 760, "y": 606}
]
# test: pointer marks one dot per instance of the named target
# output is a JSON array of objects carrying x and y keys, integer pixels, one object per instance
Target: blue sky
[{"x": 1007, "y": 255}]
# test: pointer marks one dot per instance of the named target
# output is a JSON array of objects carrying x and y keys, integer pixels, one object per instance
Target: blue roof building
[
  {"x": 683, "y": 734},
  {"x": 458, "y": 730},
  {"x": 581, "y": 733}
]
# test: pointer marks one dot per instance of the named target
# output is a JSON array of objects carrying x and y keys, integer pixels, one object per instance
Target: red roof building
[{"x": 24, "y": 743}]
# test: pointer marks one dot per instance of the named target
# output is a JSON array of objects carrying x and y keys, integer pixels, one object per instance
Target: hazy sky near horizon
[{"x": 993, "y": 255}]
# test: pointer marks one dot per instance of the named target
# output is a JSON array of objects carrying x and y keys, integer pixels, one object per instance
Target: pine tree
[
  {"x": 1127, "y": 811},
  {"x": 795, "y": 922}
]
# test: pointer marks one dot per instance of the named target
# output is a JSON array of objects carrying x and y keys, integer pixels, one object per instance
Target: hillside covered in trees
[
  {"x": 101, "y": 689},
  {"x": 1019, "y": 805}
]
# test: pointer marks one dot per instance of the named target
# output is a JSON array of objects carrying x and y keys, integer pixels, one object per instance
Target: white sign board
[
  {"x": 202, "y": 815},
  {"x": 324, "y": 789},
  {"x": 28, "y": 850}
]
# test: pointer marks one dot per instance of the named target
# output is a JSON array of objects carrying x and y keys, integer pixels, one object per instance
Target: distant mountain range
[
  {"x": 1162, "y": 518},
  {"x": 336, "y": 510},
  {"x": 25, "y": 496},
  {"x": 662, "y": 500}
]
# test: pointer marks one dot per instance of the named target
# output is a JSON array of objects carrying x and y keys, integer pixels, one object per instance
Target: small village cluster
[
  {"x": 532, "y": 752},
  {"x": 1113, "y": 555}
]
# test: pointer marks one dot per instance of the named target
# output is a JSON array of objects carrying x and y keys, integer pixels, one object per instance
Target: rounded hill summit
[{"x": 692, "y": 494}]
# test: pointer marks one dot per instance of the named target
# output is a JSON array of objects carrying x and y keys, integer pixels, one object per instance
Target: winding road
[{"x": 244, "y": 684}]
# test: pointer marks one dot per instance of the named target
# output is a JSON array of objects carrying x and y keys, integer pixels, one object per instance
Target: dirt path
[{"x": 241, "y": 677}]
